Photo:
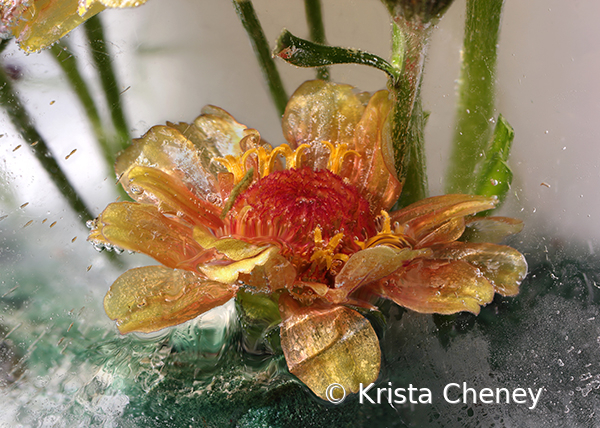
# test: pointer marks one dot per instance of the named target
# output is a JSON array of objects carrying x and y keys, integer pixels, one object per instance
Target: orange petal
[
  {"x": 370, "y": 265},
  {"x": 153, "y": 186},
  {"x": 376, "y": 174},
  {"x": 503, "y": 266},
  {"x": 328, "y": 344},
  {"x": 438, "y": 286},
  {"x": 422, "y": 218},
  {"x": 448, "y": 231},
  {"x": 491, "y": 229},
  {"x": 41, "y": 23},
  {"x": 165, "y": 149},
  {"x": 321, "y": 111},
  {"x": 143, "y": 228},
  {"x": 151, "y": 298}
]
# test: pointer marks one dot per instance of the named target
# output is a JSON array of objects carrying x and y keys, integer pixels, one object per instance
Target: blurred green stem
[
  {"x": 24, "y": 125},
  {"x": 103, "y": 61},
  {"x": 475, "y": 93},
  {"x": 247, "y": 15},
  {"x": 68, "y": 63},
  {"x": 409, "y": 46},
  {"x": 314, "y": 17}
]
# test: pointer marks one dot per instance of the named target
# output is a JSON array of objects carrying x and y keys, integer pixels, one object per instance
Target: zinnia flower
[
  {"x": 37, "y": 24},
  {"x": 222, "y": 210}
]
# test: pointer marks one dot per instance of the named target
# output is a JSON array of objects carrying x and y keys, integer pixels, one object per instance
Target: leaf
[
  {"x": 495, "y": 176},
  {"x": 303, "y": 53}
]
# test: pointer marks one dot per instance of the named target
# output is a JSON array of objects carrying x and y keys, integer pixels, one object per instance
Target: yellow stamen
[
  {"x": 386, "y": 236},
  {"x": 326, "y": 255}
]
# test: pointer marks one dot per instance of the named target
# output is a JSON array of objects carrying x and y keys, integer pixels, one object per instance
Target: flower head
[
  {"x": 309, "y": 221},
  {"x": 37, "y": 24}
]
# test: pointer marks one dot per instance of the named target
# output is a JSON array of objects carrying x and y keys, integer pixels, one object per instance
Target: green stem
[
  {"x": 68, "y": 63},
  {"x": 103, "y": 62},
  {"x": 409, "y": 46},
  {"x": 24, "y": 125},
  {"x": 247, "y": 15},
  {"x": 475, "y": 94},
  {"x": 314, "y": 17}
]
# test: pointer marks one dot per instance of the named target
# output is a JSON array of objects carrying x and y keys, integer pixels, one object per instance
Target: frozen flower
[
  {"x": 37, "y": 24},
  {"x": 307, "y": 221}
]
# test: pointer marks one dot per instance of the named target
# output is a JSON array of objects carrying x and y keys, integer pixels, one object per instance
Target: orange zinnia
[{"x": 307, "y": 221}]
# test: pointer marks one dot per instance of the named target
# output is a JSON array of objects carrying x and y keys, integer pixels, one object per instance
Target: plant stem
[
  {"x": 68, "y": 63},
  {"x": 314, "y": 17},
  {"x": 409, "y": 46},
  {"x": 103, "y": 62},
  {"x": 24, "y": 125},
  {"x": 475, "y": 94},
  {"x": 247, "y": 15}
]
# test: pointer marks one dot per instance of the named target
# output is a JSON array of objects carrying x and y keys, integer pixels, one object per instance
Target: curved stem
[{"x": 247, "y": 15}]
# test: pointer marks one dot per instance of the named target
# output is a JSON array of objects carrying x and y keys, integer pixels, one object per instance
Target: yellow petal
[
  {"x": 84, "y": 5},
  {"x": 438, "y": 286},
  {"x": 143, "y": 228},
  {"x": 321, "y": 111},
  {"x": 422, "y": 218},
  {"x": 503, "y": 266},
  {"x": 235, "y": 249},
  {"x": 328, "y": 344},
  {"x": 228, "y": 273},
  {"x": 370, "y": 265},
  {"x": 43, "y": 22},
  {"x": 151, "y": 298},
  {"x": 215, "y": 133},
  {"x": 376, "y": 172},
  {"x": 491, "y": 229},
  {"x": 165, "y": 149}
]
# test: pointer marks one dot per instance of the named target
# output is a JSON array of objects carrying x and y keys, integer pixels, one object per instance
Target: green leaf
[
  {"x": 495, "y": 176},
  {"x": 303, "y": 53}
]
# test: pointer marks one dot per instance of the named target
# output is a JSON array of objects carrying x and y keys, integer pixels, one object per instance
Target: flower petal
[
  {"x": 491, "y": 229},
  {"x": 376, "y": 173},
  {"x": 503, "y": 266},
  {"x": 165, "y": 149},
  {"x": 321, "y": 111},
  {"x": 43, "y": 22},
  {"x": 215, "y": 133},
  {"x": 422, "y": 218},
  {"x": 439, "y": 286},
  {"x": 142, "y": 228},
  {"x": 328, "y": 344},
  {"x": 151, "y": 298},
  {"x": 170, "y": 196},
  {"x": 228, "y": 273},
  {"x": 370, "y": 265}
]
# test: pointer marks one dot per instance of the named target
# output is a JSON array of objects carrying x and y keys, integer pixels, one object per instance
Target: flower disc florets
[{"x": 289, "y": 205}]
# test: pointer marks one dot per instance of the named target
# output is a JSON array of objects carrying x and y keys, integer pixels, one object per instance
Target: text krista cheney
[{"x": 453, "y": 393}]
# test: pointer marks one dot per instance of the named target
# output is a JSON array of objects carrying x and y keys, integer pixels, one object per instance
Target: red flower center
[{"x": 289, "y": 205}]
